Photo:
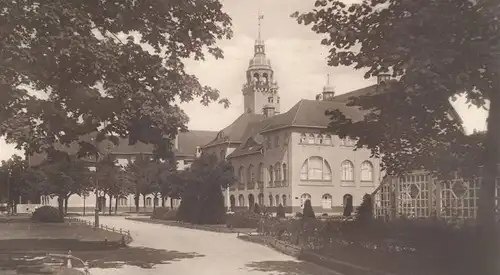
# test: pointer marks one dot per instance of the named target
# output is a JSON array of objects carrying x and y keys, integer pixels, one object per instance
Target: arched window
[
  {"x": 149, "y": 201},
  {"x": 260, "y": 198},
  {"x": 316, "y": 168},
  {"x": 328, "y": 140},
  {"x": 311, "y": 139},
  {"x": 366, "y": 171},
  {"x": 241, "y": 175},
  {"x": 284, "y": 173},
  {"x": 271, "y": 200},
  {"x": 283, "y": 200},
  {"x": 155, "y": 201},
  {"x": 122, "y": 201},
  {"x": 232, "y": 200},
  {"x": 303, "y": 199},
  {"x": 261, "y": 172},
  {"x": 277, "y": 197},
  {"x": 326, "y": 201},
  {"x": 271, "y": 173},
  {"x": 347, "y": 171},
  {"x": 303, "y": 138},
  {"x": 241, "y": 200},
  {"x": 251, "y": 174},
  {"x": 277, "y": 171}
]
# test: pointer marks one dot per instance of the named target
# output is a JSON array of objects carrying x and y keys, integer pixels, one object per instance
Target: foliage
[
  {"x": 47, "y": 214},
  {"x": 202, "y": 200},
  {"x": 87, "y": 71},
  {"x": 16, "y": 179},
  {"x": 280, "y": 212},
  {"x": 112, "y": 180},
  {"x": 243, "y": 219},
  {"x": 364, "y": 213},
  {"x": 435, "y": 51},
  {"x": 308, "y": 211}
]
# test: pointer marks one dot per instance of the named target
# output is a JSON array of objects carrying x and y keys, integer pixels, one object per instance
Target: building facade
[{"x": 288, "y": 158}]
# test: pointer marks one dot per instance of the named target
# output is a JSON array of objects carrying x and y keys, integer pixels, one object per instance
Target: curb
[
  {"x": 126, "y": 236},
  {"x": 187, "y": 225},
  {"x": 303, "y": 255}
]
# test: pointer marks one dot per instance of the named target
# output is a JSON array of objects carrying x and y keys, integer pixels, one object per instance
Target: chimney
[
  {"x": 269, "y": 110},
  {"x": 383, "y": 78}
]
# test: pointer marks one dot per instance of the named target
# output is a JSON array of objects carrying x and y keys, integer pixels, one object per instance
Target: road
[{"x": 185, "y": 251}]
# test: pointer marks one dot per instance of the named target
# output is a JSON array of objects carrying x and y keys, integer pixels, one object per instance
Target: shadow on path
[
  {"x": 31, "y": 262},
  {"x": 289, "y": 268}
]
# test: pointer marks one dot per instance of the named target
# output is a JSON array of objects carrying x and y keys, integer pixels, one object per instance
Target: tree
[
  {"x": 435, "y": 51},
  {"x": 138, "y": 173},
  {"x": 308, "y": 211},
  {"x": 63, "y": 176},
  {"x": 88, "y": 72},
  {"x": 280, "y": 213},
  {"x": 16, "y": 179},
  {"x": 112, "y": 181},
  {"x": 202, "y": 200},
  {"x": 364, "y": 213}
]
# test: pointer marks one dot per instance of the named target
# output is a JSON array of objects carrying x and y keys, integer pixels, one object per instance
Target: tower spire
[
  {"x": 328, "y": 79},
  {"x": 260, "y": 17}
]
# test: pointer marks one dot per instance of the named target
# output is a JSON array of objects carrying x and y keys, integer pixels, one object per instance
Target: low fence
[{"x": 125, "y": 233}]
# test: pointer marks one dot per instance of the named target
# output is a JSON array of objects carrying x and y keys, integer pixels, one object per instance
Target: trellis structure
[{"x": 419, "y": 195}]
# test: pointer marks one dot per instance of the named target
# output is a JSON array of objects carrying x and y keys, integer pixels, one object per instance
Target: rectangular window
[{"x": 277, "y": 141}]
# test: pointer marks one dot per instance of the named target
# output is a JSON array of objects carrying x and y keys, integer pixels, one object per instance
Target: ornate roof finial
[
  {"x": 261, "y": 16},
  {"x": 328, "y": 87}
]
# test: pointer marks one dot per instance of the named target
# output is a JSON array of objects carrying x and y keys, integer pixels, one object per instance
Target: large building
[
  {"x": 278, "y": 157},
  {"x": 287, "y": 158}
]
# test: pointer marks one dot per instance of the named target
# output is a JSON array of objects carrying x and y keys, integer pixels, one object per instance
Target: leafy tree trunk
[
  {"x": 155, "y": 199},
  {"x": 66, "y": 205},
  {"x": 110, "y": 208},
  {"x": 486, "y": 203},
  {"x": 60, "y": 204},
  {"x": 144, "y": 202},
  {"x": 171, "y": 203},
  {"x": 136, "y": 200},
  {"x": 162, "y": 201},
  {"x": 116, "y": 205}
]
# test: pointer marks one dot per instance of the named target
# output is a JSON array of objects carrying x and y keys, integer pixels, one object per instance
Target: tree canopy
[
  {"x": 70, "y": 68},
  {"x": 435, "y": 51}
]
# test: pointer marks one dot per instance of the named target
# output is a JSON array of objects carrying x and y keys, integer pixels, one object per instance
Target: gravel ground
[{"x": 200, "y": 252}]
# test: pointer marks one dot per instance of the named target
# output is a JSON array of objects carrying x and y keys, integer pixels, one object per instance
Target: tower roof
[
  {"x": 259, "y": 60},
  {"x": 328, "y": 87}
]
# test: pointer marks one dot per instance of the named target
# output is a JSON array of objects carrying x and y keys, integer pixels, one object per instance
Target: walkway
[{"x": 187, "y": 251}]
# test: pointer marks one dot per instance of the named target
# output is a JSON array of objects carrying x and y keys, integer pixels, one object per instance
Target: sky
[{"x": 298, "y": 59}]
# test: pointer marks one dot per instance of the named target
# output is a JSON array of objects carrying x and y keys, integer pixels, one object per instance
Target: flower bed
[{"x": 422, "y": 247}]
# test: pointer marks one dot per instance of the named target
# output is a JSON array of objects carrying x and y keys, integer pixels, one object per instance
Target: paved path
[{"x": 215, "y": 253}]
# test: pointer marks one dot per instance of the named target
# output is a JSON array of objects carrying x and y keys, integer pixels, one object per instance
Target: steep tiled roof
[
  {"x": 235, "y": 132},
  {"x": 187, "y": 143}
]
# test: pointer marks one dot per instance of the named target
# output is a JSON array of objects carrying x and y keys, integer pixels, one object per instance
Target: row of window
[
  {"x": 275, "y": 200},
  {"x": 317, "y": 168},
  {"x": 324, "y": 139},
  {"x": 277, "y": 173},
  {"x": 326, "y": 200},
  {"x": 316, "y": 139}
]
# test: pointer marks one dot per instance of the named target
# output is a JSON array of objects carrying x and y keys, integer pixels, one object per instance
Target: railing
[
  {"x": 121, "y": 231},
  {"x": 260, "y": 184},
  {"x": 241, "y": 186},
  {"x": 251, "y": 185}
]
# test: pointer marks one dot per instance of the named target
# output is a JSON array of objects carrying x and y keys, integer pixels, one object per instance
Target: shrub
[
  {"x": 308, "y": 211},
  {"x": 47, "y": 214},
  {"x": 364, "y": 213},
  {"x": 256, "y": 208},
  {"x": 159, "y": 212},
  {"x": 298, "y": 215},
  {"x": 243, "y": 219},
  {"x": 280, "y": 213}
]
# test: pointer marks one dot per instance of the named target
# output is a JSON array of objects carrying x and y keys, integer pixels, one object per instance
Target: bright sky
[{"x": 298, "y": 59}]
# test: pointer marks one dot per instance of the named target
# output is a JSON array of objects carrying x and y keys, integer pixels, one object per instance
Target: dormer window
[
  {"x": 303, "y": 138},
  {"x": 320, "y": 139},
  {"x": 270, "y": 99},
  {"x": 311, "y": 139}
]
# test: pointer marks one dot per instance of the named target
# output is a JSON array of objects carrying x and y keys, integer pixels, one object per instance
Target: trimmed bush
[
  {"x": 256, "y": 208},
  {"x": 47, "y": 214},
  {"x": 244, "y": 219},
  {"x": 159, "y": 212},
  {"x": 308, "y": 211},
  {"x": 280, "y": 213},
  {"x": 364, "y": 213}
]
